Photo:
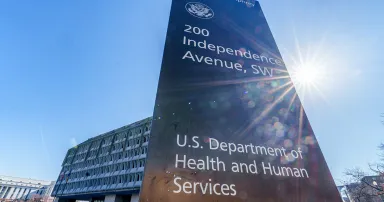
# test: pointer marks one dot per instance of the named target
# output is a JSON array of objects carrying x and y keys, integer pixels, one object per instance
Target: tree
[
  {"x": 366, "y": 187},
  {"x": 36, "y": 198}
]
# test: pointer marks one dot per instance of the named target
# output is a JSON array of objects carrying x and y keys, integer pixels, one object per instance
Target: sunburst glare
[
  {"x": 308, "y": 70},
  {"x": 306, "y": 75}
]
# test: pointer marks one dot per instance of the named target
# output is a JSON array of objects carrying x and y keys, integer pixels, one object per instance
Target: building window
[
  {"x": 130, "y": 164},
  {"x": 130, "y": 178}
]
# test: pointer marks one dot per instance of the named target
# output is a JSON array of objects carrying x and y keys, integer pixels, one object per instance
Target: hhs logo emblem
[{"x": 199, "y": 10}]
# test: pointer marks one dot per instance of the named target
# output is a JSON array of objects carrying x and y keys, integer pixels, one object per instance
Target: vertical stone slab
[{"x": 228, "y": 125}]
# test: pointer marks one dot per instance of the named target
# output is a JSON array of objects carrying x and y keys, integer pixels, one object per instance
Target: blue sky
[{"x": 73, "y": 69}]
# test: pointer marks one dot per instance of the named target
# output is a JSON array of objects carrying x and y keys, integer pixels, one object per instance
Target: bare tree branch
[
  {"x": 361, "y": 187},
  {"x": 377, "y": 188}
]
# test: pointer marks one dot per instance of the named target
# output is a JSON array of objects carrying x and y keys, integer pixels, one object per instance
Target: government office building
[
  {"x": 108, "y": 167},
  {"x": 24, "y": 189}
]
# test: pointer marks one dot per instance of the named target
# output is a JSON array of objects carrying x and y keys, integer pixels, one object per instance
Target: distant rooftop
[{"x": 20, "y": 180}]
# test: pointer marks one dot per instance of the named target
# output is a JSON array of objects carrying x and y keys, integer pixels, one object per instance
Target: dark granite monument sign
[{"x": 228, "y": 125}]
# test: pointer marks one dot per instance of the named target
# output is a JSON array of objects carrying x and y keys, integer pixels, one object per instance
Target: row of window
[
  {"x": 68, "y": 160},
  {"x": 103, "y": 181},
  {"x": 132, "y": 142},
  {"x": 95, "y": 145},
  {"x": 82, "y": 149},
  {"x": 105, "y": 159},
  {"x": 92, "y": 154},
  {"x": 79, "y": 157},
  {"x": 108, "y": 140},
  {"x": 71, "y": 152},
  {"x": 107, "y": 169},
  {"x": 18, "y": 193},
  {"x": 115, "y": 148},
  {"x": 120, "y": 137},
  {"x": 124, "y": 135}
]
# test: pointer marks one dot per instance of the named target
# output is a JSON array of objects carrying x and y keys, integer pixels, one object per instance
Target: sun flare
[{"x": 306, "y": 75}]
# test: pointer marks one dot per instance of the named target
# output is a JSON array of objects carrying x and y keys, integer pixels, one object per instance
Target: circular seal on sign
[{"x": 199, "y": 10}]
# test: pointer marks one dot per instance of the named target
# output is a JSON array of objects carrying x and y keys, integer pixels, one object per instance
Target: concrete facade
[
  {"x": 135, "y": 198},
  {"x": 108, "y": 167},
  {"x": 16, "y": 188}
]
